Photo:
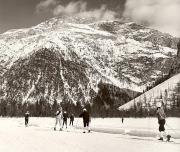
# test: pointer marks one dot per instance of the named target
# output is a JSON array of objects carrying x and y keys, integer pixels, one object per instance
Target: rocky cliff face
[
  {"x": 175, "y": 68},
  {"x": 66, "y": 60}
]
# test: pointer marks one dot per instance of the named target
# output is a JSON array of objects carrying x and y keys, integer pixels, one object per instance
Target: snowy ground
[{"x": 40, "y": 137}]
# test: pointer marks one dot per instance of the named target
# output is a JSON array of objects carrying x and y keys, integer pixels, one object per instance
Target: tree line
[{"x": 104, "y": 104}]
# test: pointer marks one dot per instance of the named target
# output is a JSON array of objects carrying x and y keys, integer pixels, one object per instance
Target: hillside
[
  {"x": 167, "y": 92},
  {"x": 63, "y": 60}
]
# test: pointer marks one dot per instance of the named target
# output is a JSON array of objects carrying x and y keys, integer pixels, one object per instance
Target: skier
[
  {"x": 122, "y": 119},
  {"x": 58, "y": 119},
  {"x": 71, "y": 119},
  {"x": 26, "y": 116},
  {"x": 86, "y": 119},
  {"x": 65, "y": 117},
  {"x": 161, "y": 120}
]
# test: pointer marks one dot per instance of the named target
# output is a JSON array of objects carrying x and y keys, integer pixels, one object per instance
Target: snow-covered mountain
[
  {"x": 167, "y": 92},
  {"x": 66, "y": 59}
]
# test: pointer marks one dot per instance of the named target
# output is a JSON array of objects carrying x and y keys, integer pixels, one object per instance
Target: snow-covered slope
[
  {"x": 165, "y": 91},
  {"x": 65, "y": 60}
]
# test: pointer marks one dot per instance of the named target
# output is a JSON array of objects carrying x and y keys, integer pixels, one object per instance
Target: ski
[{"x": 173, "y": 141}]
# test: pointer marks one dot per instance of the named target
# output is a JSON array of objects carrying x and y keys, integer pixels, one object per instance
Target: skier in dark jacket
[
  {"x": 161, "y": 120},
  {"x": 65, "y": 117},
  {"x": 71, "y": 119},
  {"x": 86, "y": 119},
  {"x": 122, "y": 119},
  {"x": 26, "y": 116}
]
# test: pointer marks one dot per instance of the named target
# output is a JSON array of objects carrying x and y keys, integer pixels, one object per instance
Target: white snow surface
[{"x": 39, "y": 136}]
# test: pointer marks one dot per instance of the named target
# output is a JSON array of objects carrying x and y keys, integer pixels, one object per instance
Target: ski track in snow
[{"x": 39, "y": 136}]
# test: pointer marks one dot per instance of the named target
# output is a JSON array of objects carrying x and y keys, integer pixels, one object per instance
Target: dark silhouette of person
[
  {"x": 65, "y": 117},
  {"x": 26, "y": 116},
  {"x": 86, "y": 119},
  {"x": 71, "y": 119}
]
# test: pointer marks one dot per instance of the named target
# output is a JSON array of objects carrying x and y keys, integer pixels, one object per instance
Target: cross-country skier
[
  {"x": 58, "y": 118},
  {"x": 161, "y": 120},
  {"x": 71, "y": 119},
  {"x": 26, "y": 116},
  {"x": 122, "y": 119},
  {"x": 65, "y": 117},
  {"x": 86, "y": 119}
]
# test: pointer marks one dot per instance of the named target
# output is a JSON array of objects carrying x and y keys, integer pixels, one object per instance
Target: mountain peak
[{"x": 72, "y": 55}]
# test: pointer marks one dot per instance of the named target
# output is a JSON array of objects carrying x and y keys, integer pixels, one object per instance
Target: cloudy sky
[
  {"x": 25, "y": 13},
  {"x": 159, "y": 14}
]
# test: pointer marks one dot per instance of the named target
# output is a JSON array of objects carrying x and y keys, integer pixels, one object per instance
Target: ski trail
[
  {"x": 31, "y": 90},
  {"x": 66, "y": 85}
]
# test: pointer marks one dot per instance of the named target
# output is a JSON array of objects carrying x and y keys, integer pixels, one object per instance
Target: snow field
[
  {"x": 142, "y": 127},
  {"x": 147, "y": 127},
  {"x": 39, "y": 136}
]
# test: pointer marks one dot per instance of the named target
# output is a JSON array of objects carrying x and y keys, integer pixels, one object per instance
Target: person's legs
[
  {"x": 25, "y": 121},
  {"x": 60, "y": 124},
  {"x": 84, "y": 126},
  {"x": 65, "y": 123},
  {"x": 162, "y": 129},
  {"x": 161, "y": 125},
  {"x": 56, "y": 124},
  {"x": 87, "y": 124}
]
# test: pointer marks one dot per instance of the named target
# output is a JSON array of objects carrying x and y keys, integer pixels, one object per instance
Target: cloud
[
  {"x": 79, "y": 9},
  {"x": 101, "y": 13},
  {"x": 45, "y": 5},
  {"x": 76, "y": 9},
  {"x": 159, "y": 14},
  {"x": 70, "y": 9}
]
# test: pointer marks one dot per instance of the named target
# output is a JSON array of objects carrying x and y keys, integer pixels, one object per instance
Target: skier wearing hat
[
  {"x": 26, "y": 116},
  {"x": 65, "y": 117},
  {"x": 161, "y": 121},
  {"x": 86, "y": 119},
  {"x": 58, "y": 118}
]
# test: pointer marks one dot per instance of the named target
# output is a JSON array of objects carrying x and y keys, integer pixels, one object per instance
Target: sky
[
  {"x": 25, "y": 13},
  {"x": 163, "y": 15},
  {"x": 159, "y": 14}
]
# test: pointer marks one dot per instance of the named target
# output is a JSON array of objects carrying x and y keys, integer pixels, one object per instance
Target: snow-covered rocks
[{"x": 76, "y": 56}]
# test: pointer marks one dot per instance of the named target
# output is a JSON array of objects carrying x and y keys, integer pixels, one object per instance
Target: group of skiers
[{"x": 62, "y": 117}]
